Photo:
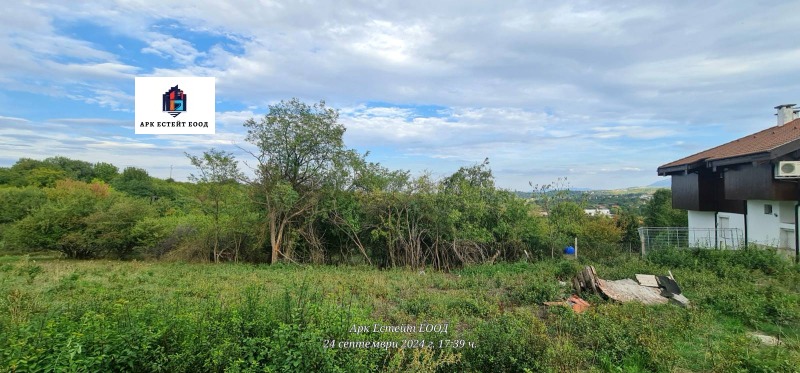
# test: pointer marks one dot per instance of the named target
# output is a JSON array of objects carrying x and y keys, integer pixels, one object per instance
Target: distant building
[
  {"x": 752, "y": 183},
  {"x": 597, "y": 212}
]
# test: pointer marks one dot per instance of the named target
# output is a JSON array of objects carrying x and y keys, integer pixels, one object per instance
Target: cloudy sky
[{"x": 601, "y": 93}]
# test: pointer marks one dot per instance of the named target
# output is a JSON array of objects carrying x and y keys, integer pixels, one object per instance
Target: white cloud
[
  {"x": 705, "y": 70},
  {"x": 384, "y": 41},
  {"x": 119, "y": 145},
  {"x": 105, "y": 70},
  {"x": 173, "y": 48},
  {"x": 13, "y": 119},
  {"x": 539, "y": 86}
]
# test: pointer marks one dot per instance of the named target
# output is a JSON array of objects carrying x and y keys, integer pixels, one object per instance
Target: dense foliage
[
  {"x": 312, "y": 200},
  {"x": 659, "y": 211}
]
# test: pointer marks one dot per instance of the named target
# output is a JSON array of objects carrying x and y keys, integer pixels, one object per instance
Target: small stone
[{"x": 767, "y": 340}]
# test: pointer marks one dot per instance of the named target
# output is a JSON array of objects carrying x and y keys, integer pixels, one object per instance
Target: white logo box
[{"x": 200, "y": 111}]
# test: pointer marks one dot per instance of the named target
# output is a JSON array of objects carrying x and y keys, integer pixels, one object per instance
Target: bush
[
  {"x": 513, "y": 342},
  {"x": 625, "y": 336},
  {"x": 185, "y": 237},
  {"x": 17, "y": 203},
  {"x": 111, "y": 227},
  {"x": 567, "y": 269},
  {"x": 82, "y": 221},
  {"x": 534, "y": 292},
  {"x": 721, "y": 261}
]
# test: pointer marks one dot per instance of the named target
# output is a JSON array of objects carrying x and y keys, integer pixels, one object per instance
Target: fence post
[
  {"x": 642, "y": 239},
  {"x": 576, "y": 247}
]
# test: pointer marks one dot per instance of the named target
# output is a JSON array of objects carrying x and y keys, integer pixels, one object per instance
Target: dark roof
[{"x": 766, "y": 141}]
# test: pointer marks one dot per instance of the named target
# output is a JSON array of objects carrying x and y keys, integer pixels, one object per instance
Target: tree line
[{"x": 310, "y": 199}]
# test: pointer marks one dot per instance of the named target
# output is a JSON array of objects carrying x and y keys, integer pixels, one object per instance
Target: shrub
[
  {"x": 513, "y": 342},
  {"x": 59, "y": 223},
  {"x": 111, "y": 227},
  {"x": 720, "y": 261},
  {"x": 182, "y": 237},
  {"x": 534, "y": 292},
  {"x": 17, "y": 203}
]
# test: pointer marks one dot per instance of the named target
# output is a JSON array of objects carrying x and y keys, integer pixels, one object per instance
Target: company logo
[
  {"x": 162, "y": 105},
  {"x": 174, "y": 102}
]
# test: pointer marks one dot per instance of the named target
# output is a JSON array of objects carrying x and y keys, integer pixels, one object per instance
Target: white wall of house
[
  {"x": 701, "y": 220},
  {"x": 702, "y": 224},
  {"x": 771, "y": 223},
  {"x": 727, "y": 238}
]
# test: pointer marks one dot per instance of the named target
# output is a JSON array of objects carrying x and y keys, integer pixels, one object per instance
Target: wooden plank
[
  {"x": 647, "y": 280},
  {"x": 628, "y": 290}
]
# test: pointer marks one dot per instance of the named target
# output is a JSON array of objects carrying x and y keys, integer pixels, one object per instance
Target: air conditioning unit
[{"x": 787, "y": 170}]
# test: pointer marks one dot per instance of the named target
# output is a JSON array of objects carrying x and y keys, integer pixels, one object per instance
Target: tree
[
  {"x": 110, "y": 228},
  {"x": 469, "y": 190},
  {"x": 105, "y": 171},
  {"x": 628, "y": 221},
  {"x": 218, "y": 171},
  {"x": 27, "y": 164},
  {"x": 135, "y": 182},
  {"x": 45, "y": 173},
  {"x": 403, "y": 222},
  {"x": 74, "y": 169},
  {"x": 372, "y": 177},
  {"x": 568, "y": 220},
  {"x": 548, "y": 196},
  {"x": 60, "y": 223},
  {"x": 17, "y": 203},
  {"x": 659, "y": 212},
  {"x": 346, "y": 213},
  {"x": 43, "y": 177},
  {"x": 482, "y": 222},
  {"x": 6, "y": 175},
  {"x": 299, "y": 151}
]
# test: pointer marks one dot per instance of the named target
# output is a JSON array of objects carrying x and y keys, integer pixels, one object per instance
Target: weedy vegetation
[{"x": 71, "y": 315}]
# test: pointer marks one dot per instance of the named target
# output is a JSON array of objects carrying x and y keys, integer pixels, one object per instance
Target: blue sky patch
[{"x": 126, "y": 48}]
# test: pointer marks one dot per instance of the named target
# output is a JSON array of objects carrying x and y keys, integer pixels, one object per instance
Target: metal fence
[{"x": 655, "y": 238}]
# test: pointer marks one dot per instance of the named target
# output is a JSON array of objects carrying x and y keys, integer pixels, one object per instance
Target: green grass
[{"x": 66, "y": 315}]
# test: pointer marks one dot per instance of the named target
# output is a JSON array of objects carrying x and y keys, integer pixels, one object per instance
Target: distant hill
[
  {"x": 662, "y": 183},
  {"x": 631, "y": 190},
  {"x": 633, "y": 197},
  {"x": 650, "y": 189}
]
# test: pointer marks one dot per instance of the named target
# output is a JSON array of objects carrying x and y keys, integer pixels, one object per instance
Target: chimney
[{"x": 785, "y": 113}]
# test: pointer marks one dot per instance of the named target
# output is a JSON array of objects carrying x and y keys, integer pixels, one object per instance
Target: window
[{"x": 768, "y": 209}]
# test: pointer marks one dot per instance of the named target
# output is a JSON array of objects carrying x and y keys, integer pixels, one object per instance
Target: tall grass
[{"x": 65, "y": 315}]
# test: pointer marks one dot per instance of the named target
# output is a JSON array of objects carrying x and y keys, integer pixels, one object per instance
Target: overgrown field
[{"x": 67, "y": 315}]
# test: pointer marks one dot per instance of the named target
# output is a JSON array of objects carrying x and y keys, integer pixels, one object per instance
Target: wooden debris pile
[{"x": 647, "y": 289}]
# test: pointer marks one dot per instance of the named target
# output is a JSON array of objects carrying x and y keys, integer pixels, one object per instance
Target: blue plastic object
[{"x": 569, "y": 250}]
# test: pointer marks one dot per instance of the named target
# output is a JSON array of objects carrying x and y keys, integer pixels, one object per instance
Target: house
[
  {"x": 749, "y": 183},
  {"x": 597, "y": 212}
]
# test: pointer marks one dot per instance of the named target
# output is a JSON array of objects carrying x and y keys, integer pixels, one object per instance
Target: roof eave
[
  {"x": 740, "y": 159},
  {"x": 784, "y": 149},
  {"x": 678, "y": 169},
  {"x": 768, "y": 155}
]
